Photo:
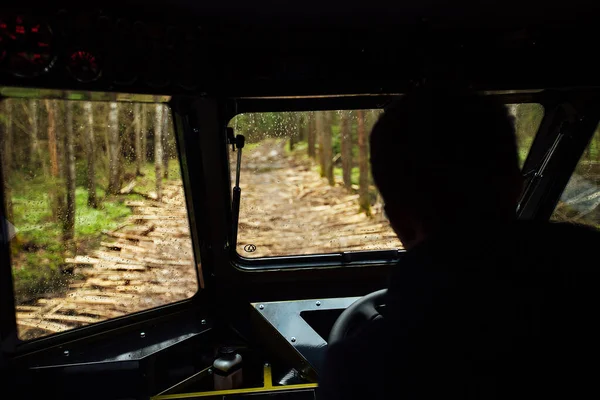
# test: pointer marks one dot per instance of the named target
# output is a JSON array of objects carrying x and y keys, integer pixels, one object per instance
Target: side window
[
  {"x": 527, "y": 117},
  {"x": 580, "y": 201},
  {"x": 95, "y": 206}
]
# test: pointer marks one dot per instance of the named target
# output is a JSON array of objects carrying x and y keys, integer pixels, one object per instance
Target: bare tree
[
  {"x": 69, "y": 167},
  {"x": 54, "y": 194},
  {"x": 144, "y": 132},
  {"x": 35, "y": 156},
  {"x": 6, "y": 154},
  {"x": 158, "y": 149},
  {"x": 165, "y": 140},
  {"x": 328, "y": 146},
  {"x": 363, "y": 164},
  {"x": 320, "y": 131},
  {"x": 52, "y": 137},
  {"x": 312, "y": 130},
  {"x": 90, "y": 148},
  {"x": 137, "y": 128},
  {"x": 346, "y": 144},
  {"x": 114, "y": 149}
]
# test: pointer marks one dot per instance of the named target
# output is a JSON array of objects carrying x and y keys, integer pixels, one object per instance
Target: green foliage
[{"x": 37, "y": 250}]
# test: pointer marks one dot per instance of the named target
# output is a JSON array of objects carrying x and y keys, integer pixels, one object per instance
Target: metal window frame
[{"x": 191, "y": 170}]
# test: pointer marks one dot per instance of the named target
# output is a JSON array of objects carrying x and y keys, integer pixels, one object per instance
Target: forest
[{"x": 68, "y": 169}]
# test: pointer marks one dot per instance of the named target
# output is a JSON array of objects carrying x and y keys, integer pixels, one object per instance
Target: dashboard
[
  {"x": 237, "y": 55},
  {"x": 93, "y": 50}
]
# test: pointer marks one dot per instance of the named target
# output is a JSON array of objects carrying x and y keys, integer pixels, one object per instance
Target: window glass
[
  {"x": 306, "y": 184},
  {"x": 527, "y": 117},
  {"x": 580, "y": 201},
  {"x": 306, "y": 181},
  {"x": 95, "y": 206}
]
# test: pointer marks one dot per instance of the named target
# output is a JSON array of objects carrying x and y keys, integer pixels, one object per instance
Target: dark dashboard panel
[{"x": 183, "y": 53}]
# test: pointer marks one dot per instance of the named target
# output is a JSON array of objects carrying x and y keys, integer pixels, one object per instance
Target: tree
[
  {"x": 69, "y": 166},
  {"x": 54, "y": 194},
  {"x": 35, "y": 156},
  {"x": 158, "y": 149},
  {"x": 90, "y": 149},
  {"x": 328, "y": 146},
  {"x": 346, "y": 144},
  {"x": 312, "y": 130},
  {"x": 165, "y": 140},
  {"x": 320, "y": 131},
  {"x": 137, "y": 128},
  {"x": 114, "y": 149},
  {"x": 6, "y": 150},
  {"x": 363, "y": 164},
  {"x": 144, "y": 132}
]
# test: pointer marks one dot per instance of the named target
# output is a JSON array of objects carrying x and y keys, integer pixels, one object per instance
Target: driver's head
[{"x": 442, "y": 161}]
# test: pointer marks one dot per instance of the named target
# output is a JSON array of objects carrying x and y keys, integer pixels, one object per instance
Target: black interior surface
[{"x": 218, "y": 59}]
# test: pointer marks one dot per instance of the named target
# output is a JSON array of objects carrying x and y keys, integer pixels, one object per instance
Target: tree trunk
[
  {"x": 320, "y": 133},
  {"x": 144, "y": 132},
  {"x": 6, "y": 155},
  {"x": 90, "y": 149},
  {"x": 158, "y": 150},
  {"x": 137, "y": 128},
  {"x": 55, "y": 193},
  {"x": 302, "y": 127},
  {"x": 312, "y": 129},
  {"x": 346, "y": 144},
  {"x": 328, "y": 146},
  {"x": 69, "y": 167},
  {"x": 35, "y": 157},
  {"x": 52, "y": 142},
  {"x": 114, "y": 148},
  {"x": 165, "y": 140},
  {"x": 363, "y": 164}
]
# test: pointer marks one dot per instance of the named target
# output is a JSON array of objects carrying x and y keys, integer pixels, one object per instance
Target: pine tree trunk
[
  {"x": 363, "y": 164},
  {"x": 137, "y": 128},
  {"x": 320, "y": 133},
  {"x": 312, "y": 129},
  {"x": 303, "y": 126},
  {"x": 114, "y": 148},
  {"x": 346, "y": 144},
  {"x": 90, "y": 149},
  {"x": 55, "y": 193},
  {"x": 165, "y": 140},
  {"x": 144, "y": 132},
  {"x": 158, "y": 150},
  {"x": 69, "y": 166},
  {"x": 35, "y": 157},
  {"x": 328, "y": 146},
  {"x": 6, "y": 155}
]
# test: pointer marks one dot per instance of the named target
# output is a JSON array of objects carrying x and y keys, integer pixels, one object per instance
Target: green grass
[
  {"x": 38, "y": 251},
  {"x": 146, "y": 183},
  {"x": 354, "y": 175}
]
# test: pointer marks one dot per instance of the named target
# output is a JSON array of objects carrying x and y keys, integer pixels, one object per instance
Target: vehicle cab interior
[{"x": 187, "y": 209}]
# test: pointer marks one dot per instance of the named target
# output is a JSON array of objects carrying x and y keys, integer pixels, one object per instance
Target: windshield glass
[{"x": 306, "y": 181}]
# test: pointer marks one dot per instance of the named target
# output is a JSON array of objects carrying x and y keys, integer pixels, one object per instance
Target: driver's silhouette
[{"x": 481, "y": 305}]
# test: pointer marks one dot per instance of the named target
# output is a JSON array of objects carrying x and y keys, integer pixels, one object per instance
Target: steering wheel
[{"x": 359, "y": 313}]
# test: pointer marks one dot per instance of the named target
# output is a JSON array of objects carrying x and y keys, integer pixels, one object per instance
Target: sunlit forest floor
[
  {"x": 144, "y": 262},
  {"x": 287, "y": 208}
]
